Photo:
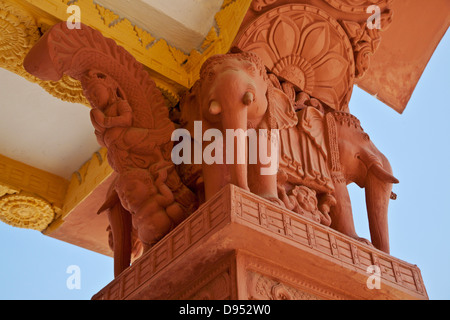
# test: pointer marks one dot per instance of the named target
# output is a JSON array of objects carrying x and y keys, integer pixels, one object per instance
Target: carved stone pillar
[{"x": 238, "y": 246}]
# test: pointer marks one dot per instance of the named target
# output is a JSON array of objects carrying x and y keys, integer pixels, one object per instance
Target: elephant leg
[
  {"x": 120, "y": 221},
  {"x": 341, "y": 214},
  {"x": 215, "y": 177},
  {"x": 377, "y": 200},
  {"x": 264, "y": 186},
  {"x": 262, "y": 173}
]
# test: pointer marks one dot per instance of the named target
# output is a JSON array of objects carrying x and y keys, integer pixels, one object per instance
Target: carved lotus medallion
[{"x": 304, "y": 45}]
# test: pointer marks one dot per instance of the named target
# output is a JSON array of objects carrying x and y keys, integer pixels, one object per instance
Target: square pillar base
[{"x": 239, "y": 246}]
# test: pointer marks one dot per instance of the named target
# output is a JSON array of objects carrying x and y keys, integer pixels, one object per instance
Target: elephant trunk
[
  {"x": 378, "y": 189},
  {"x": 234, "y": 123}
]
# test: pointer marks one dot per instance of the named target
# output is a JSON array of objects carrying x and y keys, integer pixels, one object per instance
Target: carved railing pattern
[{"x": 234, "y": 205}]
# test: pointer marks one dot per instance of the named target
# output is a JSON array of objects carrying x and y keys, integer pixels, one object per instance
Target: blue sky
[{"x": 33, "y": 266}]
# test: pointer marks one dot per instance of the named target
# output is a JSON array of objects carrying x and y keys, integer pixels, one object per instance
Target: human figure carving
[
  {"x": 110, "y": 113},
  {"x": 151, "y": 204}
]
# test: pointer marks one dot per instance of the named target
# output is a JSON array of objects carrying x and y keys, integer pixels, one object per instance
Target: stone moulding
[
  {"x": 26, "y": 178},
  {"x": 293, "y": 255},
  {"x": 85, "y": 180}
]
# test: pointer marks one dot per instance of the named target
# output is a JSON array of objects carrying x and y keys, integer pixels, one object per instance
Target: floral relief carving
[
  {"x": 261, "y": 287},
  {"x": 305, "y": 46}
]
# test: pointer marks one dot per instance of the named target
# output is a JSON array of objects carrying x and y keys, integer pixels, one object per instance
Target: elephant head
[{"x": 234, "y": 93}]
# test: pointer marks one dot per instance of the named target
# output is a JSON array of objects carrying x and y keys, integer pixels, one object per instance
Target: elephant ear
[
  {"x": 281, "y": 111},
  {"x": 190, "y": 108}
]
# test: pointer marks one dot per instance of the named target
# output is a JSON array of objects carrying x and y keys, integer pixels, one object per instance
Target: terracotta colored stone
[
  {"x": 289, "y": 79},
  {"x": 321, "y": 150}
]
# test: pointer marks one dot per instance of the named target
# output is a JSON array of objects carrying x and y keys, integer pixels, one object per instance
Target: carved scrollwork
[
  {"x": 365, "y": 41},
  {"x": 279, "y": 292},
  {"x": 67, "y": 89}
]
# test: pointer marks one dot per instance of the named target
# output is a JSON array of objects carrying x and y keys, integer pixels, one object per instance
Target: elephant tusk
[
  {"x": 215, "y": 108},
  {"x": 382, "y": 174},
  {"x": 374, "y": 166},
  {"x": 248, "y": 98}
]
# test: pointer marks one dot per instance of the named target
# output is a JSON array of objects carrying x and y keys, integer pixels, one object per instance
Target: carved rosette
[
  {"x": 19, "y": 31},
  {"x": 306, "y": 46},
  {"x": 27, "y": 211}
]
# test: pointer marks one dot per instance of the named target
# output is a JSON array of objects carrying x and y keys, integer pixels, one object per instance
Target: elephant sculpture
[
  {"x": 234, "y": 94},
  {"x": 326, "y": 151},
  {"x": 320, "y": 150}
]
